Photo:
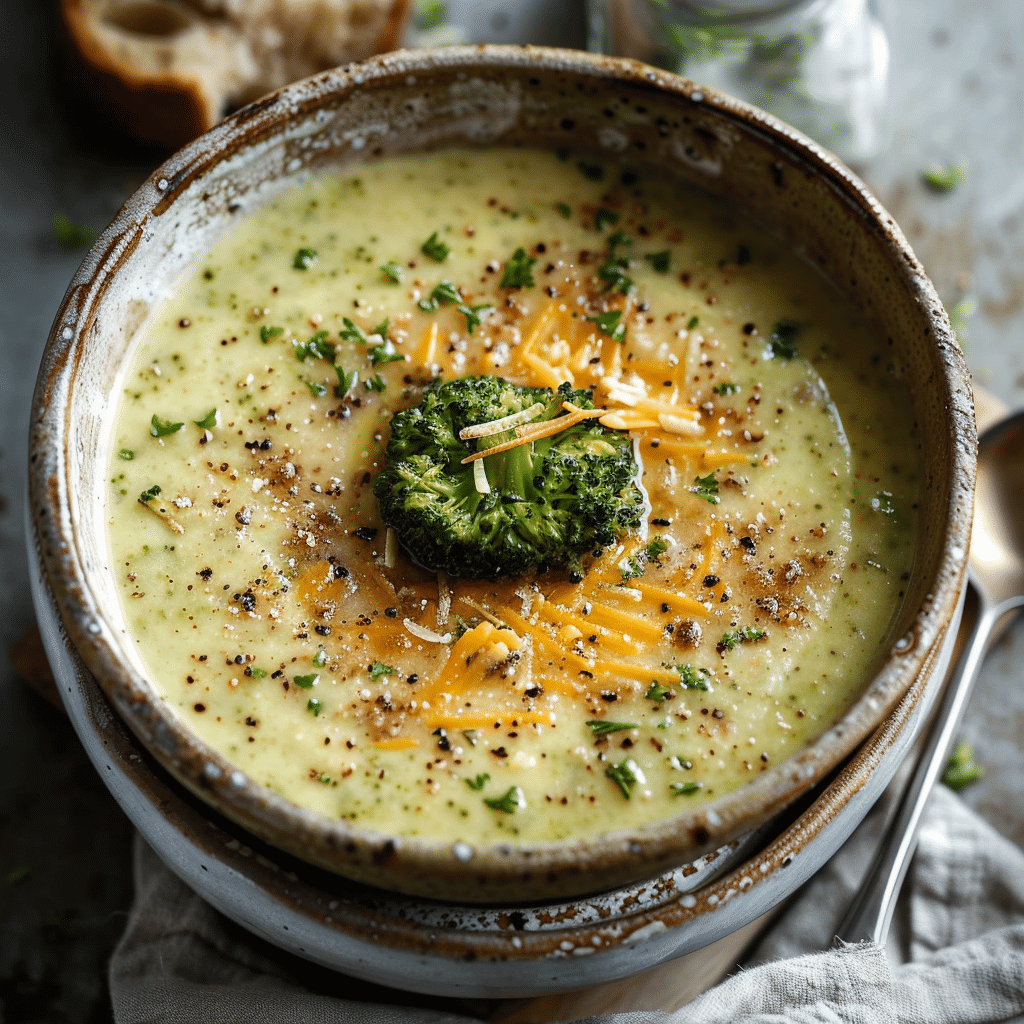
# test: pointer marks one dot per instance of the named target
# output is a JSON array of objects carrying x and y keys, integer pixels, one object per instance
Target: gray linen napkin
[{"x": 956, "y": 954}]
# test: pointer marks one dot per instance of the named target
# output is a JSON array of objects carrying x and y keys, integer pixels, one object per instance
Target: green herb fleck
[
  {"x": 961, "y": 769},
  {"x": 605, "y": 218},
  {"x": 656, "y": 547},
  {"x": 304, "y": 258},
  {"x": 623, "y": 775},
  {"x": 727, "y": 387},
  {"x": 564, "y": 209},
  {"x": 306, "y": 682},
  {"x": 320, "y": 658},
  {"x": 608, "y": 323},
  {"x": 149, "y": 494},
  {"x": 507, "y": 802},
  {"x": 782, "y": 343},
  {"x": 393, "y": 270},
  {"x": 518, "y": 270},
  {"x": 748, "y": 634},
  {"x": 429, "y": 13},
  {"x": 71, "y": 236},
  {"x": 444, "y": 292},
  {"x": 378, "y": 669},
  {"x": 258, "y": 673},
  {"x": 479, "y": 782},
  {"x": 346, "y": 381},
  {"x": 594, "y": 172},
  {"x": 472, "y": 314},
  {"x": 435, "y": 248},
  {"x": 657, "y": 692},
  {"x": 375, "y": 383},
  {"x": 685, "y": 788},
  {"x": 324, "y": 778},
  {"x": 385, "y": 353},
  {"x": 209, "y": 420},
  {"x": 689, "y": 678},
  {"x": 314, "y": 706},
  {"x": 318, "y": 347},
  {"x": 612, "y": 274},
  {"x": 882, "y": 502},
  {"x": 706, "y": 487},
  {"x": 163, "y": 428},
  {"x": 352, "y": 332},
  {"x": 617, "y": 238},
  {"x": 692, "y": 322},
  {"x": 659, "y": 261},
  {"x": 316, "y": 389},
  {"x": 680, "y": 763},
  {"x": 127, "y": 454},
  {"x": 944, "y": 177},
  {"x": 601, "y": 727},
  {"x": 268, "y": 333}
]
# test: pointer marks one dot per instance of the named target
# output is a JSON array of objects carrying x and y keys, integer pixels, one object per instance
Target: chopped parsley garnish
[
  {"x": 564, "y": 209},
  {"x": 612, "y": 274},
  {"x": 318, "y": 347},
  {"x": 943, "y": 177},
  {"x": 595, "y": 172},
  {"x": 149, "y": 494},
  {"x": 706, "y": 487},
  {"x": 727, "y": 387},
  {"x": 268, "y": 333},
  {"x": 71, "y": 236},
  {"x": 659, "y": 261},
  {"x": 304, "y": 258},
  {"x": 636, "y": 565},
  {"x": 600, "y": 727},
  {"x": 443, "y": 293},
  {"x": 518, "y": 270},
  {"x": 882, "y": 502},
  {"x": 429, "y": 13},
  {"x": 680, "y": 763},
  {"x": 618, "y": 238},
  {"x": 748, "y": 634},
  {"x": 608, "y": 323},
  {"x": 743, "y": 255},
  {"x": 657, "y": 692},
  {"x": 316, "y": 389},
  {"x": 352, "y": 332},
  {"x": 507, "y": 802},
  {"x": 961, "y": 769},
  {"x": 689, "y": 677},
  {"x": 127, "y": 454},
  {"x": 782, "y": 343},
  {"x": 306, "y": 682},
  {"x": 346, "y": 381},
  {"x": 623, "y": 776},
  {"x": 314, "y": 706},
  {"x": 393, "y": 270},
  {"x": 375, "y": 383},
  {"x": 692, "y": 322},
  {"x": 472, "y": 314},
  {"x": 685, "y": 788},
  {"x": 209, "y": 420},
  {"x": 258, "y": 673},
  {"x": 320, "y": 658},
  {"x": 385, "y": 352},
  {"x": 163, "y": 428},
  {"x": 378, "y": 669},
  {"x": 656, "y": 547},
  {"x": 604, "y": 218},
  {"x": 479, "y": 782},
  {"x": 435, "y": 249}
]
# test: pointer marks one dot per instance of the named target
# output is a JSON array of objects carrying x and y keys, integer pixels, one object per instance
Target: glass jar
[{"x": 820, "y": 65}]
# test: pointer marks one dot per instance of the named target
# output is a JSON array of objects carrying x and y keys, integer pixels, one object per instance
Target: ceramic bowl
[{"x": 479, "y": 96}]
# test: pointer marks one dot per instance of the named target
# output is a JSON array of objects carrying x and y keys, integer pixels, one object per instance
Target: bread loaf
[{"x": 166, "y": 70}]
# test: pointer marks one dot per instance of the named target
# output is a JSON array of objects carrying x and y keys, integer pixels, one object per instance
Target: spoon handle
[{"x": 871, "y": 911}]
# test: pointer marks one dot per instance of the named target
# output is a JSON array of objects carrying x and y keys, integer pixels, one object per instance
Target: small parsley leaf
[
  {"x": 435, "y": 249},
  {"x": 314, "y": 706},
  {"x": 507, "y": 802},
  {"x": 472, "y": 314},
  {"x": 316, "y": 389},
  {"x": 518, "y": 270},
  {"x": 782, "y": 343},
  {"x": 305, "y": 258},
  {"x": 564, "y": 209},
  {"x": 378, "y": 669},
  {"x": 127, "y": 454},
  {"x": 686, "y": 788},
  {"x": 444, "y": 292},
  {"x": 605, "y": 218},
  {"x": 623, "y": 775},
  {"x": 608, "y": 323},
  {"x": 346, "y": 381},
  {"x": 163, "y": 428},
  {"x": 706, "y": 487},
  {"x": 727, "y": 387},
  {"x": 352, "y": 332},
  {"x": 306, "y": 682},
  {"x": 479, "y": 782},
  {"x": 659, "y": 261},
  {"x": 393, "y": 270},
  {"x": 268, "y": 333},
  {"x": 748, "y": 634},
  {"x": 208, "y": 421},
  {"x": 384, "y": 353},
  {"x": 601, "y": 727},
  {"x": 375, "y": 383},
  {"x": 149, "y": 494}
]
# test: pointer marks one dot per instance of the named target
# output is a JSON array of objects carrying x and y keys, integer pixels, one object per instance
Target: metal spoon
[{"x": 996, "y": 571}]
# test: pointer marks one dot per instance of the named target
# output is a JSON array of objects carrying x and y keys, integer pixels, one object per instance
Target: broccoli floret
[{"x": 551, "y": 500}]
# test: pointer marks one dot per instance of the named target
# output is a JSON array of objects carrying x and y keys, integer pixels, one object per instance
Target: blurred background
[{"x": 924, "y": 97}]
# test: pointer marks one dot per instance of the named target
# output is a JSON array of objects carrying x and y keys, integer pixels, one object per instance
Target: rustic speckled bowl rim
[{"x": 573, "y": 866}]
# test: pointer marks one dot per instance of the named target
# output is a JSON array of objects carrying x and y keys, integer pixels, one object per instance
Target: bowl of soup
[{"x": 658, "y": 274}]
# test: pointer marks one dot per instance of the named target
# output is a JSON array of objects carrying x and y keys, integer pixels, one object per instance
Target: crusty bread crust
[{"x": 165, "y": 71}]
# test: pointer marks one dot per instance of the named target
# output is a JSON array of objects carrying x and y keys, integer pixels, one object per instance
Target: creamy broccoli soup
[{"x": 729, "y": 617}]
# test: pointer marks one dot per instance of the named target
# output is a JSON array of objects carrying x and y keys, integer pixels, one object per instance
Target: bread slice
[{"x": 166, "y": 70}]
